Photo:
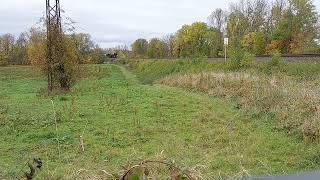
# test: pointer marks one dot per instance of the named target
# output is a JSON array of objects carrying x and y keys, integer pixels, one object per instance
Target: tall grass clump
[
  {"x": 273, "y": 65},
  {"x": 276, "y": 59}
]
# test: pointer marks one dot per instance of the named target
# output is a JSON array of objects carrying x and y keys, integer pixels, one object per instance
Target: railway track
[{"x": 286, "y": 57}]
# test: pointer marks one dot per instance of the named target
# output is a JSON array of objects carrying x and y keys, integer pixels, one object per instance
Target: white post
[{"x": 226, "y": 42}]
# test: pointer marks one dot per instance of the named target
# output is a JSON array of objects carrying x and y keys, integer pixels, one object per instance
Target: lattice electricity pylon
[
  {"x": 54, "y": 31},
  {"x": 53, "y": 13}
]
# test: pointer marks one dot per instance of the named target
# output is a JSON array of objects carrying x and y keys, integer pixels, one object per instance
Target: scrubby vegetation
[
  {"x": 150, "y": 70},
  {"x": 291, "y": 105},
  {"x": 281, "y": 93}
]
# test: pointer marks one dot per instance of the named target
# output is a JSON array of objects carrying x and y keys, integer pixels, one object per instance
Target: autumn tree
[
  {"x": 169, "y": 42},
  {"x": 3, "y": 59},
  {"x": 97, "y": 55},
  {"x": 85, "y": 47},
  {"x": 19, "y": 52},
  {"x": 36, "y": 49},
  {"x": 68, "y": 69},
  {"x": 157, "y": 49},
  {"x": 139, "y": 48},
  {"x": 304, "y": 25},
  {"x": 7, "y": 43},
  {"x": 197, "y": 39},
  {"x": 254, "y": 42},
  {"x": 3, "y": 56},
  {"x": 236, "y": 28},
  {"x": 294, "y": 26},
  {"x": 65, "y": 69},
  {"x": 247, "y": 16},
  {"x": 6, "y": 47}
]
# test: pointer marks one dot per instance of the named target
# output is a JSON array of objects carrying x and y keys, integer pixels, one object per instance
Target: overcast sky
[{"x": 113, "y": 22}]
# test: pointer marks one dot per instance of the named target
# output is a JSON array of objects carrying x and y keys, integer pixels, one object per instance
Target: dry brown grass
[{"x": 294, "y": 105}]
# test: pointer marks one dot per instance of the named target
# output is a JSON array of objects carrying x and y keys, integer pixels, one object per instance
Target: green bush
[
  {"x": 240, "y": 58},
  {"x": 236, "y": 55},
  {"x": 276, "y": 59},
  {"x": 221, "y": 54},
  {"x": 246, "y": 60},
  {"x": 197, "y": 60}
]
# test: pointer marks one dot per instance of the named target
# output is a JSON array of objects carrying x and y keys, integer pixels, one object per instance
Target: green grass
[{"x": 123, "y": 122}]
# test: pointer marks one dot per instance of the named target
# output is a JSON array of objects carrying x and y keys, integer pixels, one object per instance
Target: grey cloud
[{"x": 113, "y": 22}]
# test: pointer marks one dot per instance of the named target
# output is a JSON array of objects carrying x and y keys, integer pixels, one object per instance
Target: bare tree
[
  {"x": 168, "y": 40},
  {"x": 277, "y": 10},
  {"x": 260, "y": 14},
  {"x": 254, "y": 12},
  {"x": 318, "y": 27},
  {"x": 218, "y": 20},
  {"x": 7, "y": 43}
]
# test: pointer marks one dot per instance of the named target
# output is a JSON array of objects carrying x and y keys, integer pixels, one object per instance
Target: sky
[{"x": 114, "y": 22}]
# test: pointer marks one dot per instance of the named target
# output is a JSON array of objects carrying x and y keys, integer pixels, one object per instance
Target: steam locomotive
[{"x": 112, "y": 55}]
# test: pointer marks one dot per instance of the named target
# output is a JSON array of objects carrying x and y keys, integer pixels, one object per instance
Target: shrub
[
  {"x": 240, "y": 58},
  {"x": 236, "y": 55},
  {"x": 199, "y": 62},
  {"x": 221, "y": 54},
  {"x": 276, "y": 59},
  {"x": 246, "y": 60},
  {"x": 274, "y": 45}
]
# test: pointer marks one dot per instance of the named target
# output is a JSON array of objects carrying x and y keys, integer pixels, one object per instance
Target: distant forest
[
  {"x": 258, "y": 27},
  {"x": 30, "y": 48}
]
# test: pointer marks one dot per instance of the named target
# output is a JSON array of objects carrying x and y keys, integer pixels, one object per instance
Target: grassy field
[{"x": 123, "y": 121}]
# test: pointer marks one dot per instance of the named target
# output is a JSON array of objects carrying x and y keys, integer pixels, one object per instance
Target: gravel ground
[
  {"x": 308, "y": 59},
  {"x": 303, "y": 176}
]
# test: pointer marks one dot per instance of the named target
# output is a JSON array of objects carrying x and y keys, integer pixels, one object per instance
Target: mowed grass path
[{"x": 123, "y": 121}]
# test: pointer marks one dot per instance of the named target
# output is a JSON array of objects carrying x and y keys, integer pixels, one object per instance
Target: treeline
[
  {"x": 30, "y": 48},
  {"x": 258, "y": 27}
]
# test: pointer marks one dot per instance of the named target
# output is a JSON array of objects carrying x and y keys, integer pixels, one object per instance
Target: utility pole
[{"x": 54, "y": 31}]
